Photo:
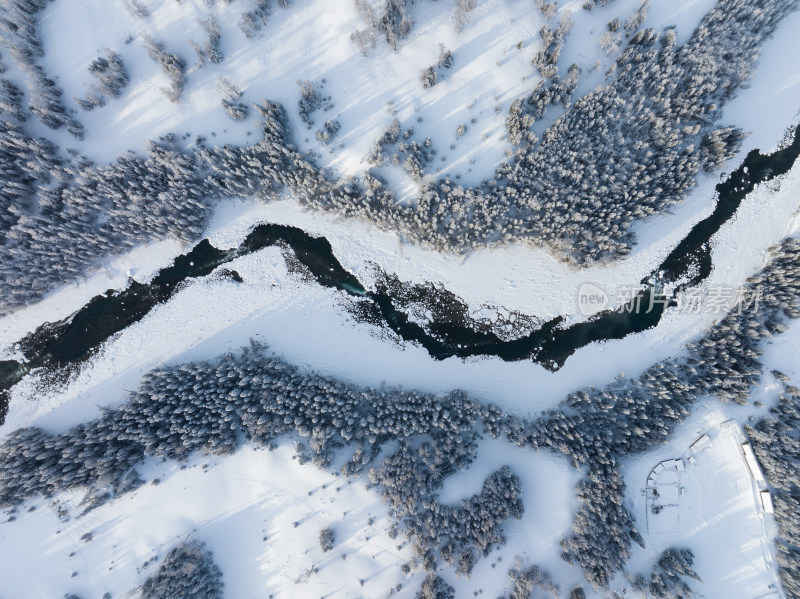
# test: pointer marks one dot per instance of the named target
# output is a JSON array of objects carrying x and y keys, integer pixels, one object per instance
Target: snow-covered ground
[
  {"x": 244, "y": 507},
  {"x": 711, "y": 503},
  {"x": 310, "y": 40}
]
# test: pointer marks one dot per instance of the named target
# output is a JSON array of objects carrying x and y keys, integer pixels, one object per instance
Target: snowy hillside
[{"x": 425, "y": 299}]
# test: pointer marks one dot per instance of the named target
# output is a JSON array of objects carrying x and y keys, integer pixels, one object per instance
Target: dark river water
[{"x": 73, "y": 339}]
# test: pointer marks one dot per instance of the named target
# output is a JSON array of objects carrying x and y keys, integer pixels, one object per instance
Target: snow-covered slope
[{"x": 260, "y": 511}]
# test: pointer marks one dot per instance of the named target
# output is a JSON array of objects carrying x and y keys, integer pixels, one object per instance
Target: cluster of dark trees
[
  {"x": 518, "y": 123},
  {"x": 409, "y": 153},
  {"x": 628, "y": 150},
  {"x": 84, "y": 212},
  {"x": 328, "y": 131},
  {"x": 188, "y": 570},
  {"x": 392, "y": 22},
  {"x": 237, "y": 110},
  {"x": 527, "y": 580},
  {"x": 211, "y": 50},
  {"x": 524, "y": 112},
  {"x": 327, "y": 538},
  {"x": 26, "y": 166},
  {"x": 548, "y": 9},
  {"x": 136, "y": 9},
  {"x": 612, "y": 38},
  {"x": 776, "y": 443},
  {"x": 389, "y": 137},
  {"x": 666, "y": 579},
  {"x": 253, "y": 20},
  {"x": 428, "y": 77},
  {"x": 111, "y": 75},
  {"x": 591, "y": 4},
  {"x": 414, "y": 156},
  {"x": 603, "y": 528},
  {"x": 546, "y": 59},
  {"x": 18, "y": 22},
  {"x": 433, "y": 587},
  {"x": 261, "y": 169},
  {"x": 470, "y": 530},
  {"x": 11, "y": 98},
  {"x": 311, "y": 100},
  {"x": 173, "y": 66},
  {"x": 435, "y": 73}
]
